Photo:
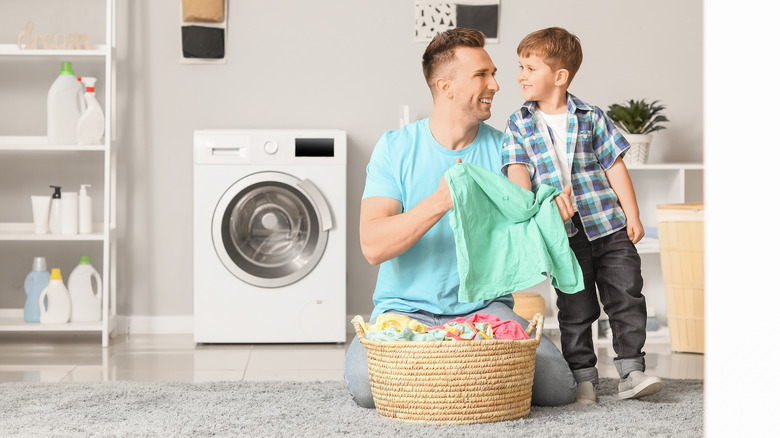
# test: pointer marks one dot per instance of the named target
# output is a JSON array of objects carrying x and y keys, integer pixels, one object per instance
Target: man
[{"x": 405, "y": 198}]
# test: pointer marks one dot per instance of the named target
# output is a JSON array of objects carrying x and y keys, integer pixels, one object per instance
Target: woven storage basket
[{"x": 453, "y": 382}]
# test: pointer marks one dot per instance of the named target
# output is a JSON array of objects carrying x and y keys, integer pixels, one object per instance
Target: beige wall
[{"x": 338, "y": 64}]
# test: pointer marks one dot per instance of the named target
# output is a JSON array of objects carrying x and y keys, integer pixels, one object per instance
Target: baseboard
[
  {"x": 166, "y": 325},
  {"x": 155, "y": 325}
]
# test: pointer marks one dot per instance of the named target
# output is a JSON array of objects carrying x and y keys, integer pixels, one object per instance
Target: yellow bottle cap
[{"x": 56, "y": 274}]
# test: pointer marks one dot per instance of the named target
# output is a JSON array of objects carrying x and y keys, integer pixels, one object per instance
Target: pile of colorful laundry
[{"x": 390, "y": 327}]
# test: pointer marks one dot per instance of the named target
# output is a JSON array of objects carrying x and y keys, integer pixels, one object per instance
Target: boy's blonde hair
[{"x": 559, "y": 49}]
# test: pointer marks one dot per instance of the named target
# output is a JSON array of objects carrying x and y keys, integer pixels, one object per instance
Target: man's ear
[
  {"x": 443, "y": 85},
  {"x": 561, "y": 77}
]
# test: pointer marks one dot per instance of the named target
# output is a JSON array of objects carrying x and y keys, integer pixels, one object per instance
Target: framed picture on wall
[{"x": 432, "y": 17}]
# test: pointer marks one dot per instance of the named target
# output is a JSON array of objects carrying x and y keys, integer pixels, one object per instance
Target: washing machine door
[{"x": 270, "y": 229}]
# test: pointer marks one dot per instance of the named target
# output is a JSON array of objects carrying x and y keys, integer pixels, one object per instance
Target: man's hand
[
  {"x": 443, "y": 192},
  {"x": 386, "y": 230},
  {"x": 564, "y": 204}
]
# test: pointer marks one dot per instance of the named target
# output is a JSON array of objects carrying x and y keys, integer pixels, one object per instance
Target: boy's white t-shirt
[{"x": 558, "y": 124}]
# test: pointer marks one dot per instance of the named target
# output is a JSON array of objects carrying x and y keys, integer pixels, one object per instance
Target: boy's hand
[
  {"x": 563, "y": 201},
  {"x": 635, "y": 230}
]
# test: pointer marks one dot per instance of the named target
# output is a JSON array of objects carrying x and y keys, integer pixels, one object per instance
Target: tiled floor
[{"x": 66, "y": 358}]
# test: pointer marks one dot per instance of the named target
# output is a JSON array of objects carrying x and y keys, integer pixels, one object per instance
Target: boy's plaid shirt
[{"x": 593, "y": 144}]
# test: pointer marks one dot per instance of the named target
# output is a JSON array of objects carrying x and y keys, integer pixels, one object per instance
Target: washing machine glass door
[{"x": 270, "y": 229}]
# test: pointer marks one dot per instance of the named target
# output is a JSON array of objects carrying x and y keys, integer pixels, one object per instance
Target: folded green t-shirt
[{"x": 506, "y": 238}]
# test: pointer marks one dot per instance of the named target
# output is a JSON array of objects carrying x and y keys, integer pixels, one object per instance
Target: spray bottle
[
  {"x": 55, "y": 211},
  {"x": 91, "y": 124}
]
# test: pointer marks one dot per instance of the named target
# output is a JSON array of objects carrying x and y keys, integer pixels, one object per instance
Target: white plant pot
[{"x": 640, "y": 146}]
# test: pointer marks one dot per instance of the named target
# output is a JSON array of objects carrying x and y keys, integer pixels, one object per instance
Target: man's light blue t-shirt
[{"x": 407, "y": 164}]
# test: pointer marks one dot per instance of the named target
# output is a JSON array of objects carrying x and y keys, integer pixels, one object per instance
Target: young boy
[{"x": 556, "y": 139}]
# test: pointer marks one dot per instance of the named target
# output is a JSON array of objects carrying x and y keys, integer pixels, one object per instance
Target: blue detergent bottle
[{"x": 34, "y": 284}]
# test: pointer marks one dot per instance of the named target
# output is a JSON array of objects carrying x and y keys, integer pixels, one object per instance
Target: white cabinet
[
  {"x": 31, "y": 163},
  {"x": 654, "y": 184}
]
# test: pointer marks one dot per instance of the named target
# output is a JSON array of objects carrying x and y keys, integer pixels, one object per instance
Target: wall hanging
[
  {"x": 433, "y": 17},
  {"x": 203, "y": 31}
]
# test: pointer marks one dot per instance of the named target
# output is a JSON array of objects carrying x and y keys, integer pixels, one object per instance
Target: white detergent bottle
[
  {"x": 64, "y": 106},
  {"x": 85, "y": 210},
  {"x": 69, "y": 213},
  {"x": 55, "y": 300},
  {"x": 85, "y": 297},
  {"x": 91, "y": 124}
]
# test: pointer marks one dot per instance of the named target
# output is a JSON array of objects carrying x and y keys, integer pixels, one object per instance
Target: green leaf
[{"x": 638, "y": 116}]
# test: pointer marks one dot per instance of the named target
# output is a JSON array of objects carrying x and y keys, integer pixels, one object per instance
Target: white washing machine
[{"x": 269, "y": 236}]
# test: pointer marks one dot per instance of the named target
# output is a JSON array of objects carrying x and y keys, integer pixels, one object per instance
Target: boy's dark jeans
[{"x": 613, "y": 264}]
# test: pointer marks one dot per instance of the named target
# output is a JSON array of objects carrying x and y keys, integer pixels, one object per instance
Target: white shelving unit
[
  {"x": 667, "y": 183},
  {"x": 11, "y": 147},
  {"x": 656, "y": 184}
]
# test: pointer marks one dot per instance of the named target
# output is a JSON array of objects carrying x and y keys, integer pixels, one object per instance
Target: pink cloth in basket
[{"x": 506, "y": 329}]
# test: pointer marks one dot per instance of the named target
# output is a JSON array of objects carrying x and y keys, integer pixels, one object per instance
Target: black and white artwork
[{"x": 432, "y": 17}]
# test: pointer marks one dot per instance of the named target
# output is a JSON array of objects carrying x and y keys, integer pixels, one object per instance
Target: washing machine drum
[{"x": 270, "y": 229}]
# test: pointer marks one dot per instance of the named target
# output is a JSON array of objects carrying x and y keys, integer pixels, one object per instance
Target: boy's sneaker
[
  {"x": 638, "y": 384},
  {"x": 586, "y": 394}
]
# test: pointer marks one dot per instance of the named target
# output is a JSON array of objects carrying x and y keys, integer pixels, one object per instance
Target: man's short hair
[
  {"x": 441, "y": 49},
  {"x": 559, "y": 49}
]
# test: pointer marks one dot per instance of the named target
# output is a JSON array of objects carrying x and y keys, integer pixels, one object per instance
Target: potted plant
[{"x": 637, "y": 119}]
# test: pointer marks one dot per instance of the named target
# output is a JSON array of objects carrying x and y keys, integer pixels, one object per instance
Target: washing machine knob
[{"x": 270, "y": 147}]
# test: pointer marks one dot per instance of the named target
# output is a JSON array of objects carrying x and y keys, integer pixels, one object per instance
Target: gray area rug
[{"x": 312, "y": 409}]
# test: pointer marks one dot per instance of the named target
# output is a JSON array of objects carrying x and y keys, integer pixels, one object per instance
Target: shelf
[
  {"x": 666, "y": 166},
  {"x": 38, "y": 143},
  {"x": 14, "y": 50},
  {"x": 648, "y": 245},
  {"x": 660, "y": 336},
  {"x": 551, "y": 323},
  {"x": 12, "y": 320},
  {"x": 24, "y": 231},
  {"x": 18, "y": 325}
]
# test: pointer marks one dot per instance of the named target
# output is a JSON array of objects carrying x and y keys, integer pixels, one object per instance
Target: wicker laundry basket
[
  {"x": 453, "y": 382},
  {"x": 681, "y": 237}
]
